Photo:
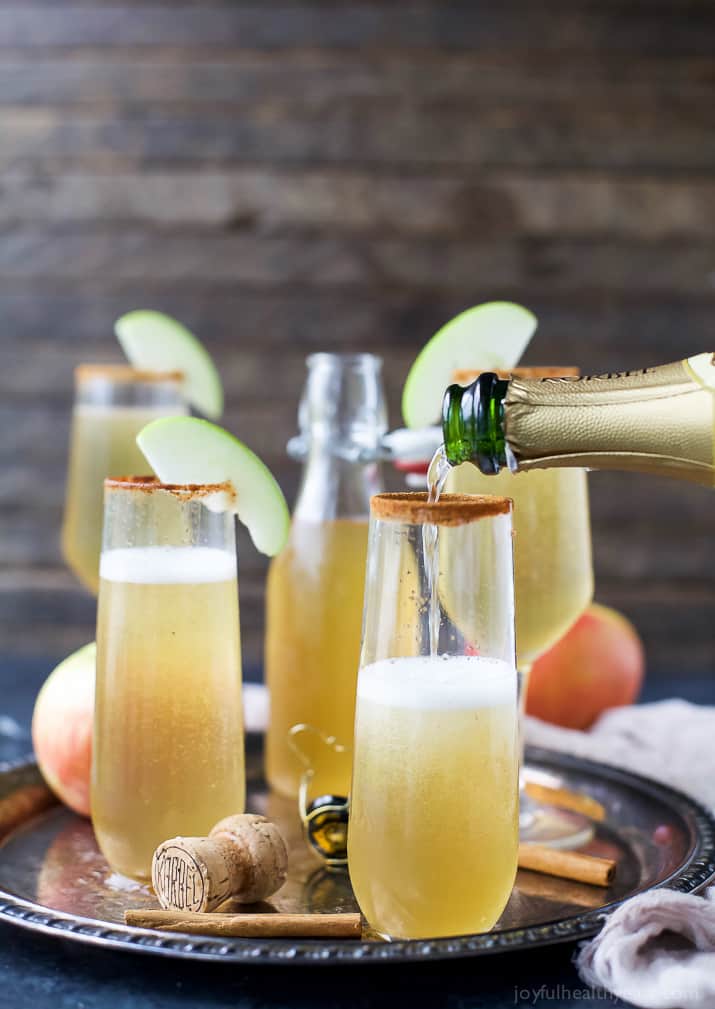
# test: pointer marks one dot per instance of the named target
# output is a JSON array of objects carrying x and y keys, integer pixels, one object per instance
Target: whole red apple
[
  {"x": 598, "y": 664},
  {"x": 62, "y": 728}
]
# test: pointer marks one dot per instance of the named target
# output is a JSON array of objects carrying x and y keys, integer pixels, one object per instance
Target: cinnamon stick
[
  {"x": 23, "y": 803},
  {"x": 250, "y": 926},
  {"x": 566, "y": 799},
  {"x": 537, "y": 884},
  {"x": 573, "y": 865}
]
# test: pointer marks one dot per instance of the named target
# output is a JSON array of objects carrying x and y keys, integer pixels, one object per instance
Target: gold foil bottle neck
[{"x": 656, "y": 420}]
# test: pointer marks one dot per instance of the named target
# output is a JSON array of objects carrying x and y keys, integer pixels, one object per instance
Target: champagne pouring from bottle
[{"x": 654, "y": 420}]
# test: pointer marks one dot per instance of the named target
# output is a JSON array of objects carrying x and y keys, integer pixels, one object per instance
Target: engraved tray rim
[{"x": 691, "y": 876}]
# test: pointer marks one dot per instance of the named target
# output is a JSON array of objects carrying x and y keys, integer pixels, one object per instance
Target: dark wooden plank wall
[{"x": 295, "y": 176}]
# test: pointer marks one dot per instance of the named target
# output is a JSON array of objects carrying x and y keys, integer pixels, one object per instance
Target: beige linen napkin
[{"x": 658, "y": 949}]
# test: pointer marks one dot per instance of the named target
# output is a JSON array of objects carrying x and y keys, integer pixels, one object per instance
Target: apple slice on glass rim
[
  {"x": 156, "y": 342},
  {"x": 489, "y": 336},
  {"x": 188, "y": 450}
]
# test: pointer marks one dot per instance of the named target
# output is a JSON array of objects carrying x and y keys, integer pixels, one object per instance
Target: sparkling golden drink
[
  {"x": 168, "y": 756},
  {"x": 112, "y": 404},
  {"x": 433, "y": 833},
  {"x": 314, "y": 616},
  {"x": 553, "y": 576}
]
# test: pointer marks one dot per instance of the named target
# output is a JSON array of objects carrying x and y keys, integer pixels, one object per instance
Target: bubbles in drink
[
  {"x": 433, "y": 817},
  {"x": 168, "y": 754}
]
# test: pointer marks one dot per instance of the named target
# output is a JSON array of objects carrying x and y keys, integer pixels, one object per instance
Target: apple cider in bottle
[{"x": 315, "y": 586}]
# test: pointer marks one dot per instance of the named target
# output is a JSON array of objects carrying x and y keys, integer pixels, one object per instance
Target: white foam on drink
[
  {"x": 167, "y": 565},
  {"x": 438, "y": 682}
]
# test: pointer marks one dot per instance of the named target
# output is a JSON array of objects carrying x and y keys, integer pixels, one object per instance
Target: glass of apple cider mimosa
[
  {"x": 112, "y": 404},
  {"x": 168, "y": 754},
  {"x": 433, "y": 830}
]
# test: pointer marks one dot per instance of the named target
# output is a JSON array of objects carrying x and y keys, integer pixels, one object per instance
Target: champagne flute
[
  {"x": 168, "y": 753},
  {"x": 113, "y": 402},
  {"x": 433, "y": 829}
]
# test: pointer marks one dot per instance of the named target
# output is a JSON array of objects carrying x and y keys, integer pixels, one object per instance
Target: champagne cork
[{"x": 244, "y": 858}]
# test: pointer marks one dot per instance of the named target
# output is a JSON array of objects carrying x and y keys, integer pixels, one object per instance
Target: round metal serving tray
[{"x": 54, "y": 880}]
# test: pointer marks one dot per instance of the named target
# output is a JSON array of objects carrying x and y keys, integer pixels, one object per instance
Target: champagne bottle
[{"x": 658, "y": 420}]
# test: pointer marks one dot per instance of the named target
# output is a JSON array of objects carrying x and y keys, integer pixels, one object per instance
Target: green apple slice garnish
[
  {"x": 492, "y": 335},
  {"x": 156, "y": 342},
  {"x": 189, "y": 450}
]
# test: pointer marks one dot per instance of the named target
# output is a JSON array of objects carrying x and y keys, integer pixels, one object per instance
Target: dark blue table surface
[{"x": 36, "y": 972}]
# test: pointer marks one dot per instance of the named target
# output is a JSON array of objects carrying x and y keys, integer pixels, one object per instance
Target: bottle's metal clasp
[
  {"x": 325, "y": 818},
  {"x": 298, "y": 448}
]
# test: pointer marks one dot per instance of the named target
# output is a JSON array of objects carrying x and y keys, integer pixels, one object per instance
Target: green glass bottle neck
[{"x": 473, "y": 423}]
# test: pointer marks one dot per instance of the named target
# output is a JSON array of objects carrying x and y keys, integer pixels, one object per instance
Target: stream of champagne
[{"x": 437, "y": 475}]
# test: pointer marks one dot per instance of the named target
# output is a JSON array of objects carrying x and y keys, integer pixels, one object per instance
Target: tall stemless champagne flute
[
  {"x": 433, "y": 832},
  {"x": 553, "y": 577},
  {"x": 112, "y": 404},
  {"x": 168, "y": 755}
]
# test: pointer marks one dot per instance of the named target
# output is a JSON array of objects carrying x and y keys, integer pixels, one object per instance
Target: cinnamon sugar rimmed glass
[
  {"x": 553, "y": 578},
  {"x": 113, "y": 402},
  {"x": 432, "y": 842},
  {"x": 168, "y": 752}
]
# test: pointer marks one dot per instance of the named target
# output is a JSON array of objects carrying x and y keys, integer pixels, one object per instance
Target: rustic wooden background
[{"x": 292, "y": 176}]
